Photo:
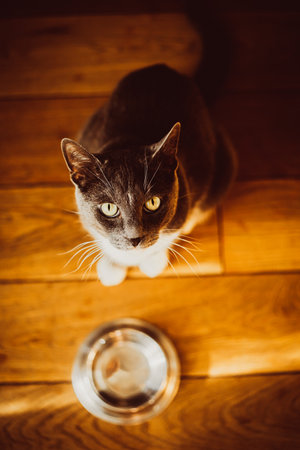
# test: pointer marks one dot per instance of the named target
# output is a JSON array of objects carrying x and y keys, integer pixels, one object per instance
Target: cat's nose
[{"x": 135, "y": 241}]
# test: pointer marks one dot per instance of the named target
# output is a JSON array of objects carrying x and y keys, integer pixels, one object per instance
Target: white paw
[
  {"x": 109, "y": 273},
  {"x": 154, "y": 264}
]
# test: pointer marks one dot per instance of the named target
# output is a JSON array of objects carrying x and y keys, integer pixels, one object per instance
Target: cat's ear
[
  {"x": 81, "y": 164},
  {"x": 168, "y": 144}
]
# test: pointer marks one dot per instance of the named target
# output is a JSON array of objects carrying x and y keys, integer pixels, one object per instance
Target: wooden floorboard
[
  {"x": 213, "y": 414},
  {"x": 32, "y": 131},
  {"x": 46, "y": 51},
  {"x": 38, "y": 228},
  {"x": 259, "y": 231},
  {"x": 261, "y": 221},
  {"x": 88, "y": 55},
  {"x": 220, "y": 325},
  {"x": 263, "y": 128},
  {"x": 236, "y": 327}
]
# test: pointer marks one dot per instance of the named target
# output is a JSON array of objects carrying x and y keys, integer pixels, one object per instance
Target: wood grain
[
  {"x": 256, "y": 215},
  {"x": 53, "y": 73},
  {"x": 88, "y": 55},
  {"x": 220, "y": 325},
  {"x": 260, "y": 126},
  {"x": 262, "y": 226},
  {"x": 38, "y": 227},
  {"x": 31, "y": 132},
  {"x": 210, "y": 414}
]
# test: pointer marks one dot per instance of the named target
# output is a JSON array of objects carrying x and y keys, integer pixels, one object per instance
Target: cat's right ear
[
  {"x": 81, "y": 164},
  {"x": 168, "y": 145}
]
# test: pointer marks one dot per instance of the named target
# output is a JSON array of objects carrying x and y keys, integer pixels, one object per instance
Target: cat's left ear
[
  {"x": 81, "y": 164},
  {"x": 168, "y": 145}
]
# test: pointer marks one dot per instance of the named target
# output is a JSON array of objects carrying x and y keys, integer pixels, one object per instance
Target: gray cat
[{"x": 148, "y": 167}]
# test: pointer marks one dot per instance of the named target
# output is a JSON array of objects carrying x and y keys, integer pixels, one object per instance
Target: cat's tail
[
  {"x": 211, "y": 76},
  {"x": 213, "y": 69}
]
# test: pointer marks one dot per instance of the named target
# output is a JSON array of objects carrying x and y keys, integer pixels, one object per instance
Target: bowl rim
[{"x": 86, "y": 392}]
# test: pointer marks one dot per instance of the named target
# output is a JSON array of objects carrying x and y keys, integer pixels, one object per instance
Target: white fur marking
[{"x": 196, "y": 217}]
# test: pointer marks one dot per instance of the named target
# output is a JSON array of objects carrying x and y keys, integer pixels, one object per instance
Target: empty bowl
[{"x": 126, "y": 371}]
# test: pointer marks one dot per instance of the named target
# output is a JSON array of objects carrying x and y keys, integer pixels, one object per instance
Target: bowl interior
[{"x": 129, "y": 368}]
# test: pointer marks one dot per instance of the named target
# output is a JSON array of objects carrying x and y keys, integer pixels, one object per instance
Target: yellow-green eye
[
  {"x": 109, "y": 209},
  {"x": 153, "y": 204}
]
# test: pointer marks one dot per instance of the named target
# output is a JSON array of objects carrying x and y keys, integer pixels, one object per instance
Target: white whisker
[
  {"x": 171, "y": 265},
  {"x": 191, "y": 243},
  {"x": 72, "y": 212},
  {"x": 179, "y": 254},
  {"x": 88, "y": 256},
  {"x": 145, "y": 171},
  {"x": 87, "y": 253},
  {"x": 84, "y": 250},
  {"x": 80, "y": 265},
  {"x": 89, "y": 267},
  {"x": 149, "y": 184},
  {"x": 174, "y": 254},
  {"x": 77, "y": 246},
  {"x": 188, "y": 251}
]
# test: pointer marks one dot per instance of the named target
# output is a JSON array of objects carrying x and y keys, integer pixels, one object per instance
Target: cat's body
[{"x": 159, "y": 182}]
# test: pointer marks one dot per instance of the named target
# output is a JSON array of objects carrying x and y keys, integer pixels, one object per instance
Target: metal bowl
[{"x": 126, "y": 372}]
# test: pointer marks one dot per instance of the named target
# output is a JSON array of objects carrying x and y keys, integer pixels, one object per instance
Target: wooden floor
[{"x": 232, "y": 304}]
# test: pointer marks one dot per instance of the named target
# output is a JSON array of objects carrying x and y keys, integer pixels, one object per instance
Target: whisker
[
  {"x": 188, "y": 241},
  {"x": 83, "y": 249},
  {"x": 108, "y": 183},
  {"x": 171, "y": 265},
  {"x": 191, "y": 238},
  {"x": 191, "y": 243},
  {"x": 179, "y": 254},
  {"x": 149, "y": 184},
  {"x": 77, "y": 246},
  {"x": 80, "y": 265},
  {"x": 96, "y": 259},
  {"x": 189, "y": 194},
  {"x": 186, "y": 236},
  {"x": 72, "y": 212},
  {"x": 188, "y": 251},
  {"x": 88, "y": 255},
  {"x": 145, "y": 171},
  {"x": 174, "y": 254},
  {"x": 92, "y": 249}
]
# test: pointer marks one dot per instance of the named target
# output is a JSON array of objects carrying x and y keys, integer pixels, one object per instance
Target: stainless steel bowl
[{"x": 126, "y": 372}]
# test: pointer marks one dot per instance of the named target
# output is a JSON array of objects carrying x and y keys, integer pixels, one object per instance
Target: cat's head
[{"x": 126, "y": 196}]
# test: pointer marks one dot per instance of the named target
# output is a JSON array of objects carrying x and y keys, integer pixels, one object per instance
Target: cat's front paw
[
  {"x": 154, "y": 264},
  {"x": 109, "y": 273}
]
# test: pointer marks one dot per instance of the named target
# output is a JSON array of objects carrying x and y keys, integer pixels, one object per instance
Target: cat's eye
[
  {"x": 153, "y": 204},
  {"x": 109, "y": 209}
]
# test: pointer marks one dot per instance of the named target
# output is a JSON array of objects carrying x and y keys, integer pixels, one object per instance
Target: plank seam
[
  {"x": 106, "y": 94},
  {"x": 6, "y": 281},
  {"x": 67, "y": 184},
  {"x": 182, "y": 378}
]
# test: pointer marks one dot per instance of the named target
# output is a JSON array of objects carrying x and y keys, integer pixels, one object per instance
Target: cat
[{"x": 148, "y": 166}]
